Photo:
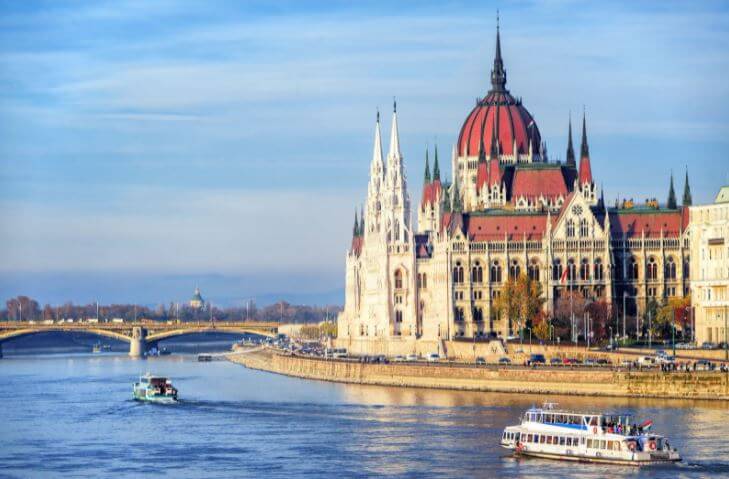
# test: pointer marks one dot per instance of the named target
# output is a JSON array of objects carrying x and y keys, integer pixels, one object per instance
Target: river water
[{"x": 71, "y": 415}]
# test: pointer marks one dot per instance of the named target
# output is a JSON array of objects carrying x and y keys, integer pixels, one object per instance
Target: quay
[
  {"x": 702, "y": 385},
  {"x": 141, "y": 336}
]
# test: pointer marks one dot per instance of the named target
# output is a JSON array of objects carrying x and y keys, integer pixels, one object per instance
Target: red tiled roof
[
  {"x": 431, "y": 193},
  {"x": 633, "y": 224},
  {"x": 496, "y": 227},
  {"x": 585, "y": 170},
  {"x": 533, "y": 183},
  {"x": 514, "y": 121}
]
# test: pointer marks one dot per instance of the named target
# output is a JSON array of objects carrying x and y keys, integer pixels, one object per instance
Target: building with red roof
[{"x": 508, "y": 211}]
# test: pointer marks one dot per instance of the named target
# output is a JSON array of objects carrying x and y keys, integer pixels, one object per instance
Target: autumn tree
[{"x": 520, "y": 301}]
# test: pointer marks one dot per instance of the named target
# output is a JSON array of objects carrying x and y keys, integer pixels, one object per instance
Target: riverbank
[{"x": 584, "y": 382}]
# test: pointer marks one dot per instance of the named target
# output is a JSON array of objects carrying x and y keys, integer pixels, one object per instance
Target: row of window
[{"x": 568, "y": 441}]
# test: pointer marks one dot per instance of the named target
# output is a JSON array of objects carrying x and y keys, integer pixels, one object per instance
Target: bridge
[{"x": 141, "y": 336}]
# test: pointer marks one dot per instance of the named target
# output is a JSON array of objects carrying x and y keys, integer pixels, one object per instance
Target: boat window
[
  {"x": 602, "y": 444},
  {"x": 561, "y": 441},
  {"x": 542, "y": 439},
  {"x": 589, "y": 443}
]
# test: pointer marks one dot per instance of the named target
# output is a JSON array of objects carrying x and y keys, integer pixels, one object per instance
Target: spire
[
  {"x": 377, "y": 150},
  {"x": 687, "y": 201},
  {"x": 436, "y": 167},
  {"x": 584, "y": 150},
  {"x": 361, "y": 221},
  {"x": 355, "y": 231},
  {"x": 481, "y": 152},
  {"x": 394, "y": 135},
  {"x": 427, "y": 167},
  {"x": 446, "y": 201},
  {"x": 498, "y": 74},
  {"x": 570, "y": 148},
  {"x": 671, "y": 203}
]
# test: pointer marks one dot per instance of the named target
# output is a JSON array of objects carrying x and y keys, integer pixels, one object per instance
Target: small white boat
[
  {"x": 156, "y": 389},
  {"x": 552, "y": 433}
]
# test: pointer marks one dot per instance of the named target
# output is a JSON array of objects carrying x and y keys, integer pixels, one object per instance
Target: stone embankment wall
[{"x": 589, "y": 382}]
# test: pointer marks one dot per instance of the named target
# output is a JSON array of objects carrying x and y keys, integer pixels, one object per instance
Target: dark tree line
[{"x": 24, "y": 308}]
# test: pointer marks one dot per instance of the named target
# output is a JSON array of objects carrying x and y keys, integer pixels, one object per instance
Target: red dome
[
  {"x": 514, "y": 122},
  {"x": 499, "y": 113}
]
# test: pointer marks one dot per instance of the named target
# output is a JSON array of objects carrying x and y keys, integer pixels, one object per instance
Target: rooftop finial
[
  {"x": 570, "y": 148},
  {"x": 584, "y": 150},
  {"x": 378, "y": 115},
  {"x": 498, "y": 74},
  {"x": 394, "y": 105}
]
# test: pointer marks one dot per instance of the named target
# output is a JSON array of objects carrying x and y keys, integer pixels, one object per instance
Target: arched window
[
  {"x": 584, "y": 269},
  {"x": 398, "y": 316},
  {"x": 398, "y": 279},
  {"x": 633, "y": 268},
  {"x": 670, "y": 268},
  {"x": 598, "y": 269},
  {"x": 495, "y": 272},
  {"x": 686, "y": 267},
  {"x": 584, "y": 228},
  {"x": 458, "y": 273},
  {"x": 477, "y": 273},
  {"x": 570, "y": 229},
  {"x": 459, "y": 316},
  {"x": 557, "y": 270},
  {"x": 652, "y": 269},
  {"x": 534, "y": 270},
  {"x": 397, "y": 231},
  {"x": 477, "y": 314},
  {"x": 571, "y": 270},
  {"x": 514, "y": 269}
]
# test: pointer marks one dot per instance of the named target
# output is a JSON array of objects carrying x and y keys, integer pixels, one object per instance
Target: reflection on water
[{"x": 72, "y": 415}]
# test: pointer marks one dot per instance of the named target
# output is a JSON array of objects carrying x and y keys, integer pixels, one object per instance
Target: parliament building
[{"x": 507, "y": 210}]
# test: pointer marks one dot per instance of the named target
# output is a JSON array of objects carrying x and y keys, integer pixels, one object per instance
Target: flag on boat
[{"x": 646, "y": 424}]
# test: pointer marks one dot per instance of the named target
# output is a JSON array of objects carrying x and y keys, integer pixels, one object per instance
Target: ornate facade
[{"x": 508, "y": 210}]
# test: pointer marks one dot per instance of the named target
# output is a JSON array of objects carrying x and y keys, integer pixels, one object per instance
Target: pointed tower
[
  {"x": 362, "y": 221},
  {"x": 498, "y": 74},
  {"x": 570, "y": 149},
  {"x": 355, "y": 231},
  {"x": 376, "y": 185},
  {"x": 436, "y": 166},
  {"x": 396, "y": 206},
  {"x": 671, "y": 203},
  {"x": 687, "y": 201},
  {"x": 584, "y": 177},
  {"x": 426, "y": 180}
]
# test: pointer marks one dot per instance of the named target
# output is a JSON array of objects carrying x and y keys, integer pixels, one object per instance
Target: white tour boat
[
  {"x": 552, "y": 433},
  {"x": 155, "y": 389}
]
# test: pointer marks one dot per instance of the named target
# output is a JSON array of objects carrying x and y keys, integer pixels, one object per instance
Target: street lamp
[{"x": 673, "y": 333}]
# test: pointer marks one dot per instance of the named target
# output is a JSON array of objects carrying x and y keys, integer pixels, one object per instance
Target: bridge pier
[{"x": 138, "y": 344}]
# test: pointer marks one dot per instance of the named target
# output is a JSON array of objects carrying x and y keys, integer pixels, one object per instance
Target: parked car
[
  {"x": 667, "y": 359},
  {"x": 708, "y": 345},
  {"x": 570, "y": 361},
  {"x": 433, "y": 357},
  {"x": 555, "y": 361},
  {"x": 589, "y": 362},
  {"x": 603, "y": 361},
  {"x": 536, "y": 359},
  {"x": 646, "y": 361},
  {"x": 661, "y": 353},
  {"x": 399, "y": 358},
  {"x": 480, "y": 361},
  {"x": 504, "y": 360},
  {"x": 627, "y": 363},
  {"x": 411, "y": 357}
]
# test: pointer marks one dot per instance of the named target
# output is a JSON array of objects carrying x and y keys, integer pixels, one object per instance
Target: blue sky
[{"x": 188, "y": 141}]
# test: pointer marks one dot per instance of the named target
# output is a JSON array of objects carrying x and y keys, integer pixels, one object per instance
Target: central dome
[{"x": 499, "y": 118}]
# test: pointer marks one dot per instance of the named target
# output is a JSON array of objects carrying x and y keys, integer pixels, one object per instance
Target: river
[{"x": 71, "y": 415}]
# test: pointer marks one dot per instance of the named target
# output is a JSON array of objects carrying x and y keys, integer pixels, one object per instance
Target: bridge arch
[
  {"x": 154, "y": 337},
  {"x": 19, "y": 333}
]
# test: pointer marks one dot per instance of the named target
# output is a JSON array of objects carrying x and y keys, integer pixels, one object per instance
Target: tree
[
  {"x": 569, "y": 303},
  {"x": 520, "y": 300},
  {"x": 673, "y": 309}
]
